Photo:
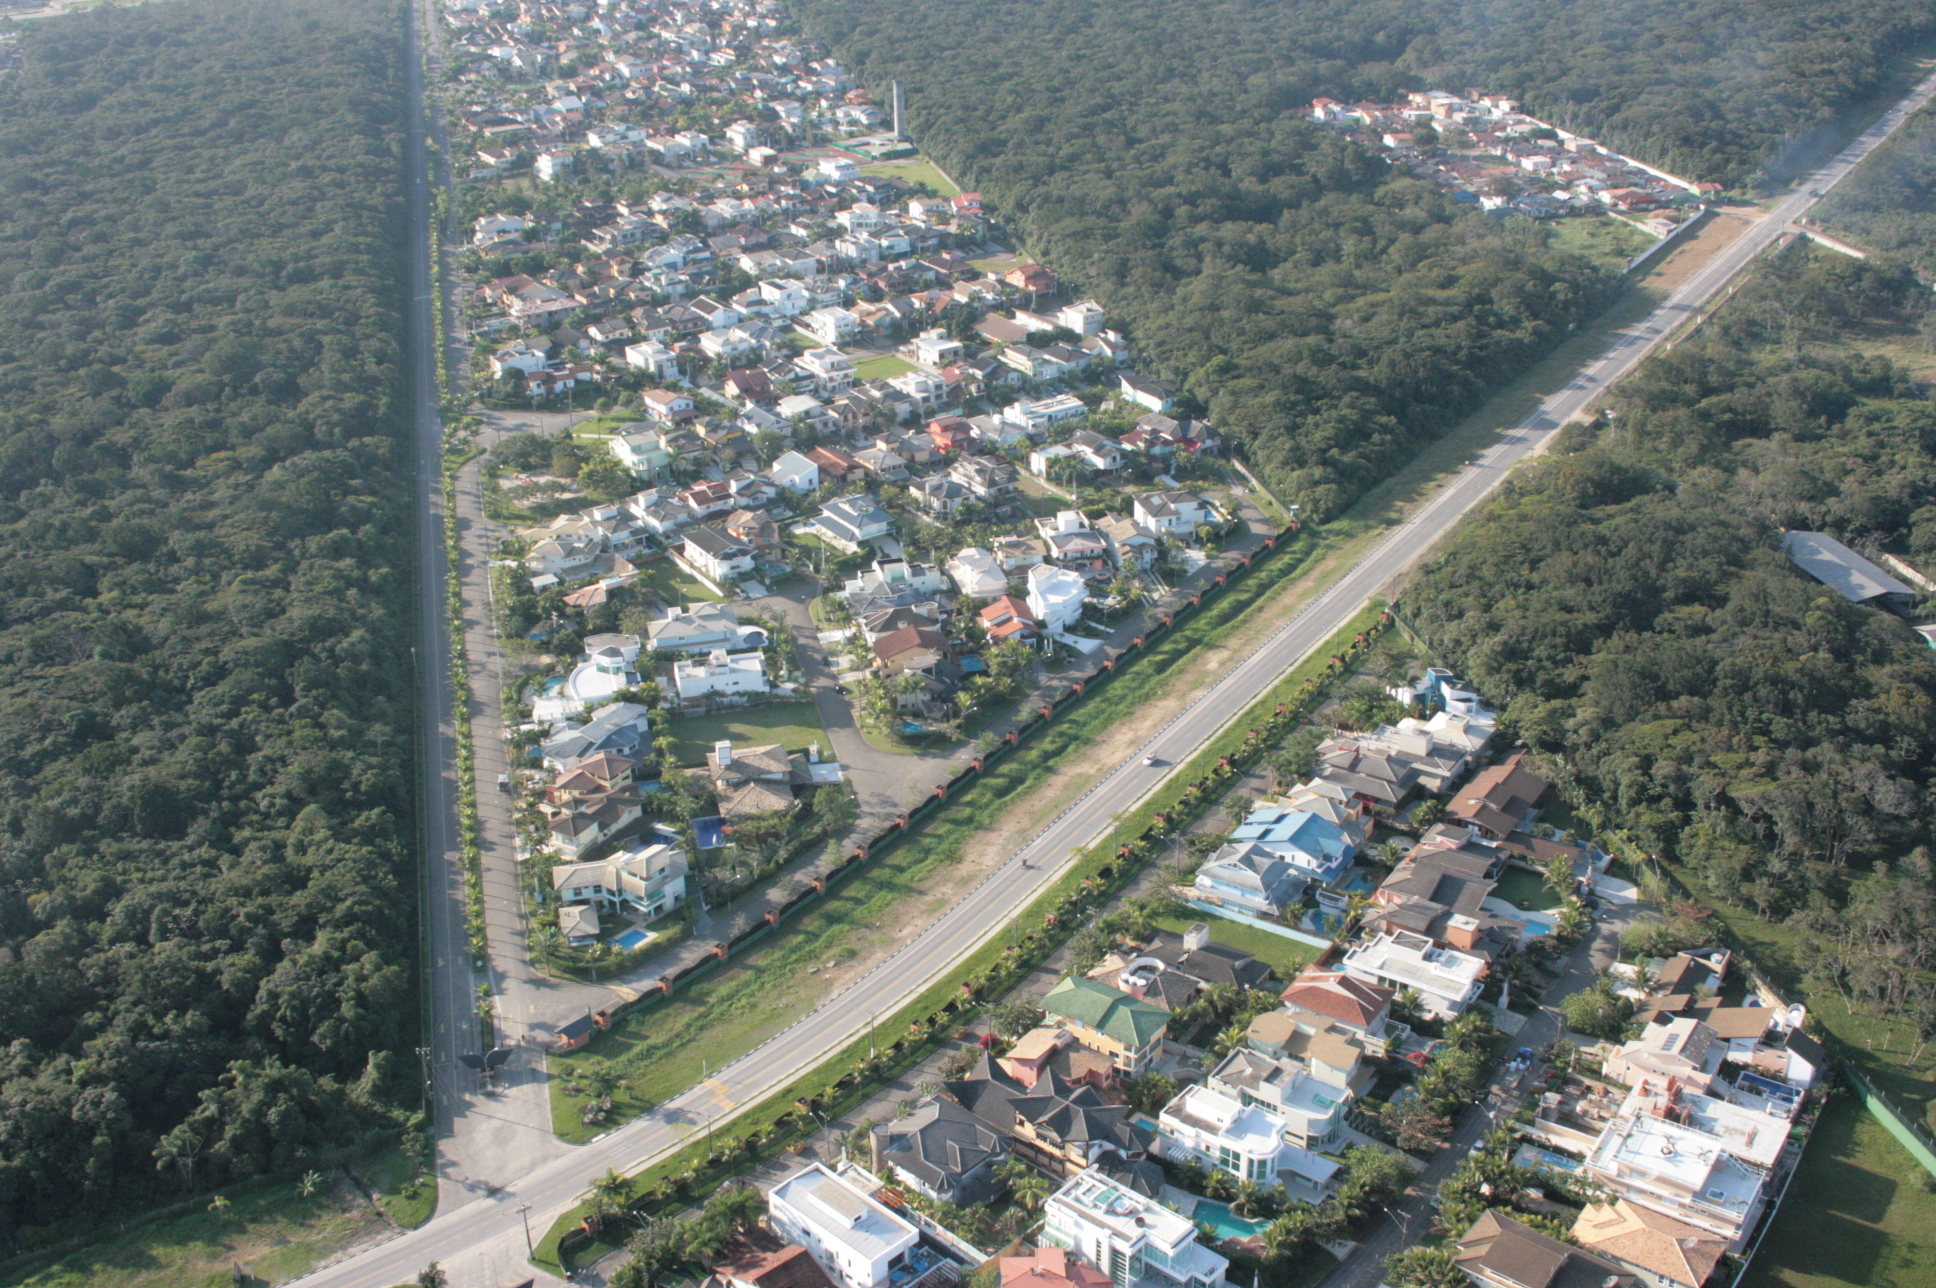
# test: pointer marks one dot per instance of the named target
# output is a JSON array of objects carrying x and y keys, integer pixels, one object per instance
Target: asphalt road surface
[{"x": 481, "y": 1244}]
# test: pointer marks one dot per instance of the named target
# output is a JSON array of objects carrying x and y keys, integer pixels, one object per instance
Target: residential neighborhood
[{"x": 1485, "y": 152}]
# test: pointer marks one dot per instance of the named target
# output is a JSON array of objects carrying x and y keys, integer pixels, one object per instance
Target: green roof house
[{"x": 1119, "y": 1026}]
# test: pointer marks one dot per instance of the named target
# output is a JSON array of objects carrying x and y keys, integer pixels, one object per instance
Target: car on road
[
  {"x": 840, "y": 688},
  {"x": 1151, "y": 760}
]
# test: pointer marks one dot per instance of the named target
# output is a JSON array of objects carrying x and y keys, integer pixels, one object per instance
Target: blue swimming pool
[
  {"x": 710, "y": 832},
  {"x": 1226, "y": 1223},
  {"x": 631, "y": 939},
  {"x": 552, "y": 686}
]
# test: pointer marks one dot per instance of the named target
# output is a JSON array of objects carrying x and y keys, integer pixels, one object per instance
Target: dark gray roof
[{"x": 944, "y": 1146}]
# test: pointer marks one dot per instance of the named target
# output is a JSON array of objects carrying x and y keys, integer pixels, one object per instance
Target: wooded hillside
[
  {"x": 1333, "y": 316},
  {"x": 1628, "y": 604},
  {"x": 206, "y": 870}
]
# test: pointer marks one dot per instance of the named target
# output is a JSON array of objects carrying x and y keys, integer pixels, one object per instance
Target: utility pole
[
  {"x": 423, "y": 1059},
  {"x": 524, "y": 1211}
]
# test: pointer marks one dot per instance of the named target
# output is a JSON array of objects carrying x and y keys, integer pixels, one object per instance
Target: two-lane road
[{"x": 482, "y": 1243}]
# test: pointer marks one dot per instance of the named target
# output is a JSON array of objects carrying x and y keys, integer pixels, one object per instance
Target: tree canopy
[
  {"x": 205, "y": 795},
  {"x": 1628, "y": 604}
]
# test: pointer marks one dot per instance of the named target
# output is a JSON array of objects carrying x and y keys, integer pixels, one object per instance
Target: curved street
[{"x": 481, "y": 1243}]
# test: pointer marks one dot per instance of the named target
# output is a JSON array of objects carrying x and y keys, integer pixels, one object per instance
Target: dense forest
[
  {"x": 1889, "y": 203},
  {"x": 206, "y": 820},
  {"x": 1628, "y": 604},
  {"x": 1332, "y": 314}
]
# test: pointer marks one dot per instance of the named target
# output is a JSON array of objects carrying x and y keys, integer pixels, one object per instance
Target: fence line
[
  {"x": 1234, "y": 914},
  {"x": 1912, "y": 1135}
]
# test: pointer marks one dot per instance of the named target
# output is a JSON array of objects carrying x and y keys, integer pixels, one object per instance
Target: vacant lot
[
  {"x": 1607, "y": 241},
  {"x": 1859, "y": 1213},
  {"x": 269, "y": 1230},
  {"x": 884, "y": 366},
  {"x": 666, "y": 580},
  {"x": 792, "y": 724},
  {"x": 916, "y": 172},
  {"x": 1286, "y": 957}
]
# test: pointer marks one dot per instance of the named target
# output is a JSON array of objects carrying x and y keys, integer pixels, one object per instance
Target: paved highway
[{"x": 481, "y": 1244}]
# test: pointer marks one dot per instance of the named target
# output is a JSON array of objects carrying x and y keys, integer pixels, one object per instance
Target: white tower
[{"x": 900, "y": 105}]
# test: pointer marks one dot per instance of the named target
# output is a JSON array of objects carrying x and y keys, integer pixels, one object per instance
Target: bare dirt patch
[{"x": 1703, "y": 244}]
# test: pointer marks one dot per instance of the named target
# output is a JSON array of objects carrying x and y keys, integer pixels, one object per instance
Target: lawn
[
  {"x": 669, "y": 582},
  {"x": 1606, "y": 241},
  {"x": 1524, "y": 890},
  {"x": 999, "y": 264},
  {"x": 1860, "y": 1212},
  {"x": 883, "y": 366},
  {"x": 793, "y": 724},
  {"x": 922, "y": 173},
  {"x": 269, "y": 1229},
  {"x": 1286, "y": 957}
]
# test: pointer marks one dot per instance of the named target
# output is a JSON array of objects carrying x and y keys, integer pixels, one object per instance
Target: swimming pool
[
  {"x": 633, "y": 938},
  {"x": 1226, "y": 1223},
  {"x": 552, "y": 686}
]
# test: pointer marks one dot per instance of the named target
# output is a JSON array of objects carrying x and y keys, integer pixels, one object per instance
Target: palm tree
[
  {"x": 311, "y": 1182},
  {"x": 1250, "y": 1197},
  {"x": 1230, "y": 1039},
  {"x": 1026, "y": 1186}
]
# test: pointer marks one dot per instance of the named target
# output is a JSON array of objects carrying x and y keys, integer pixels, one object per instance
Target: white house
[
  {"x": 1132, "y": 1238},
  {"x": 701, "y": 628},
  {"x": 648, "y": 880},
  {"x": 795, "y": 473},
  {"x": 720, "y": 672},
  {"x": 978, "y": 574},
  {"x": 1446, "y": 979},
  {"x": 1056, "y": 596},
  {"x": 829, "y": 370},
  {"x": 654, "y": 359},
  {"x": 831, "y": 326},
  {"x": 1171, "y": 511},
  {"x": 642, "y": 453},
  {"x": 717, "y": 556},
  {"x": 857, "y": 1240},
  {"x": 517, "y": 356},
  {"x": 553, "y": 166},
  {"x": 1036, "y": 414},
  {"x": 1249, "y": 1142},
  {"x": 934, "y": 349},
  {"x": 835, "y": 170}
]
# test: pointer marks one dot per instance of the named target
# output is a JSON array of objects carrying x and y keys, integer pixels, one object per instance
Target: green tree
[{"x": 1598, "y": 1010}]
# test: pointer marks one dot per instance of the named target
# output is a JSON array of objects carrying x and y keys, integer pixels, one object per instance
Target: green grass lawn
[
  {"x": 1603, "y": 239},
  {"x": 269, "y": 1229},
  {"x": 1524, "y": 890},
  {"x": 1860, "y": 1212},
  {"x": 996, "y": 265},
  {"x": 918, "y": 172},
  {"x": 670, "y": 583},
  {"x": 1286, "y": 957},
  {"x": 881, "y": 367},
  {"x": 793, "y": 724}
]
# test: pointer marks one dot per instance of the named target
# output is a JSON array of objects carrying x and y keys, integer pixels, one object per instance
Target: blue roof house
[{"x": 1316, "y": 847}]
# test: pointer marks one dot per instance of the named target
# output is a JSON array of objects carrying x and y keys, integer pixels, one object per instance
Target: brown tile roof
[
  {"x": 1338, "y": 996},
  {"x": 791, "y": 1267},
  {"x": 1653, "y": 1242},
  {"x": 1050, "y": 1268}
]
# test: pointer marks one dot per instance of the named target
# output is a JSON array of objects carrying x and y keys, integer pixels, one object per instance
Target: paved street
[
  {"x": 1410, "y": 1218},
  {"x": 481, "y": 1242}
]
